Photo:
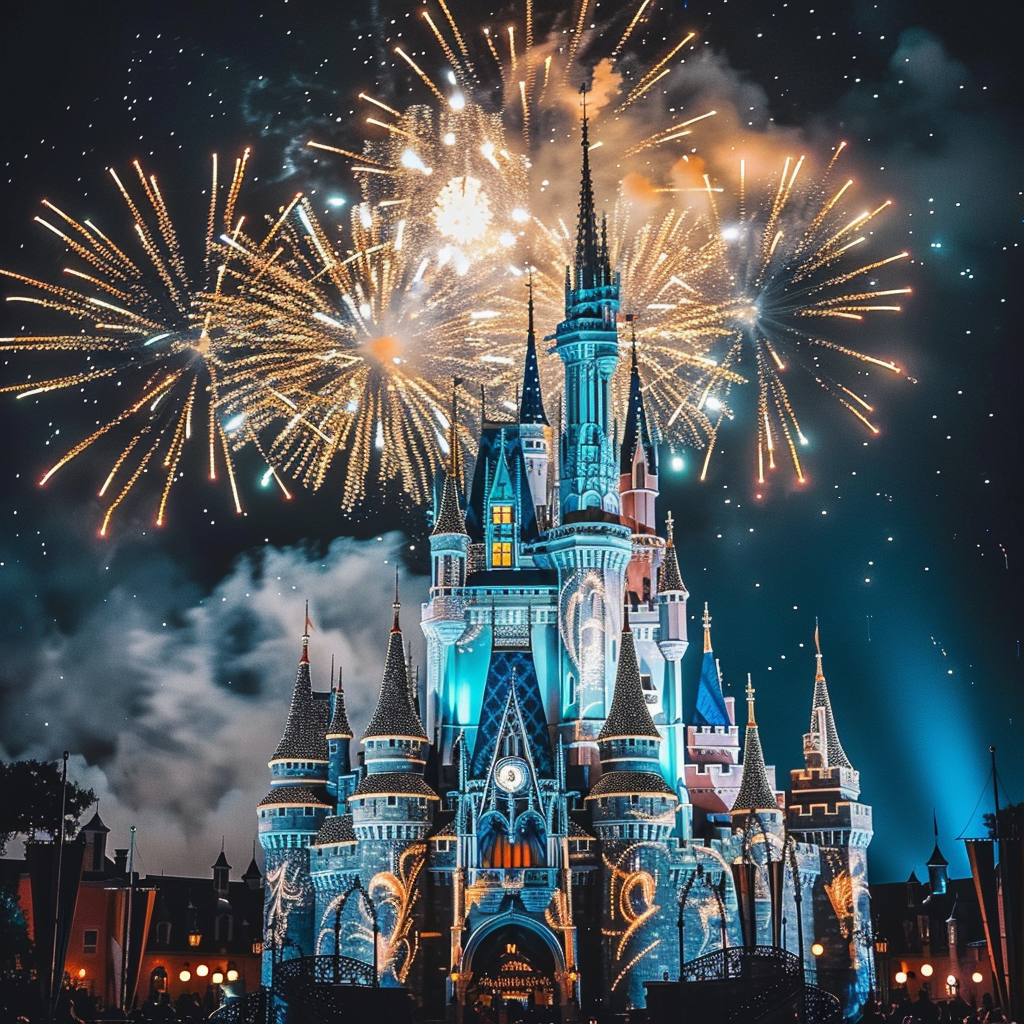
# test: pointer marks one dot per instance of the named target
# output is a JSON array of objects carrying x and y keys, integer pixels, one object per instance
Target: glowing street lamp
[{"x": 927, "y": 970}]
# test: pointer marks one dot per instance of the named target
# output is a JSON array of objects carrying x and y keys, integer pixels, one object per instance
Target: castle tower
[
  {"x": 587, "y": 342},
  {"x": 590, "y": 548},
  {"x": 712, "y": 742},
  {"x": 339, "y": 738},
  {"x": 534, "y": 432},
  {"x": 670, "y": 605},
  {"x": 757, "y": 784},
  {"x": 392, "y": 808},
  {"x": 638, "y": 489},
  {"x": 443, "y": 618},
  {"x": 824, "y": 809},
  {"x": 634, "y": 813},
  {"x": 290, "y": 816}
]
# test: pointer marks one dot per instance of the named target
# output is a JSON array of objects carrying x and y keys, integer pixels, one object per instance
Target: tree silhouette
[{"x": 30, "y": 799}]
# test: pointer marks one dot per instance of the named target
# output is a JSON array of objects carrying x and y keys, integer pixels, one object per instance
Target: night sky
[{"x": 163, "y": 659}]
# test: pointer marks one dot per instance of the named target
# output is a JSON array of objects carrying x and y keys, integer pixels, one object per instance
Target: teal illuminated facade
[{"x": 553, "y": 819}]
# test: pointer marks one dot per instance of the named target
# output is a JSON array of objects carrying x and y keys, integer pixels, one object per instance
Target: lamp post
[{"x": 882, "y": 967}]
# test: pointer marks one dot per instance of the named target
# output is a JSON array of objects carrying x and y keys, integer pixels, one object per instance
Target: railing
[
  {"x": 742, "y": 962},
  {"x": 252, "y": 1008},
  {"x": 821, "y": 1007},
  {"x": 322, "y": 970}
]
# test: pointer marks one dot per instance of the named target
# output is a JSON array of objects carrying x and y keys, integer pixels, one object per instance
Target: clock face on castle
[{"x": 510, "y": 774}]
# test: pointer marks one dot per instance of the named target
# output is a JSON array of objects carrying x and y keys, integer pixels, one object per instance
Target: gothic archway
[{"x": 516, "y": 959}]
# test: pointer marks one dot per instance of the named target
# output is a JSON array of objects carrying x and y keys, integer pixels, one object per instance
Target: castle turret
[
  {"x": 629, "y": 743},
  {"x": 634, "y": 814},
  {"x": 638, "y": 489},
  {"x": 290, "y": 816},
  {"x": 449, "y": 542},
  {"x": 339, "y": 738},
  {"x": 672, "y": 598},
  {"x": 757, "y": 789},
  {"x": 712, "y": 742},
  {"x": 824, "y": 809},
  {"x": 534, "y": 432}
]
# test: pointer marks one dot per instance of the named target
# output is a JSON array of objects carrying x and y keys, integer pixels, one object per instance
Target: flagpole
[{"x": 54, "y": 992}]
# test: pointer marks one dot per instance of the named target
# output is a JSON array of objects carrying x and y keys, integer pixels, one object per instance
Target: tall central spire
[{"x": 586, "y": 228}]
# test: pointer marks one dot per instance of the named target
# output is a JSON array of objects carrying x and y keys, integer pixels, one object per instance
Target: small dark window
[{"x": 90, "y": 939}]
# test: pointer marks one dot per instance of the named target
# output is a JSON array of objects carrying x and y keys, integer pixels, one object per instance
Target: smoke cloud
[{"x": 173, "y": 702}]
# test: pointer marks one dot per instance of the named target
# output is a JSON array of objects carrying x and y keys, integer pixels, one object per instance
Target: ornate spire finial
[
  {"x": 751, "y": 720},
  {"x": 586, "y": 230},
  {"x": 305, "y": 637},
  {"x": 396, "y": 628},
  {"x": 669, "y": 524},
  {"x": 707, "y": 629},
  {"x": 819, "y": 675}
]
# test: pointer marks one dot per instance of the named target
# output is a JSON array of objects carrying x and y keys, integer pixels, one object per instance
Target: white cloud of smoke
[{"x": 176, "y": 718}]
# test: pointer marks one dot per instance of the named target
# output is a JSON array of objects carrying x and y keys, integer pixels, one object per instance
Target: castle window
[
  {"x": 90, "y": 939},
  {"x": 501, "y": 553},
  {"x": 222, "y": 928},
  {"x": 501, "y": 515},
  {"x": 392, "y": 801}
]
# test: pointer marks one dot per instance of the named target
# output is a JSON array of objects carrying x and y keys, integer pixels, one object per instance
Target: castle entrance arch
[{"x": 516, "y": 961}]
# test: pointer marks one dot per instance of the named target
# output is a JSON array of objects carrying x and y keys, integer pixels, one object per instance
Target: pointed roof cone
[
  {"x": 629, "y": 715},
  {"x": 670, "y": 579},
  {"x": 936, "y": 860},
  {"x": 637, "y": 432},
  {"x": 95, "y": 823},
  {"x": 395, "y": 714},
  {"x": 755, "y": 793},
  {"x": 836, "y": 754},
  {"x": 252, "y": 874},
  {"x": 586, "y": 257},
  {"x": 711, "y": 709},
  {"x": 339, "y": 727},
  {"x": 531, "y": 402},
  {"x": 450, "y": 517},
  {"x": 222, "y": 861},
  {"x": 303, "y": 736}
]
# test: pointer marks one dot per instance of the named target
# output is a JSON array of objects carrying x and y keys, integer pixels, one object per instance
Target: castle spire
[
  {"x": 303, "y": 735},
  {"x": 670, "y": 579},
  {"x": 395, "y": 714},
  {"x": 339, "y": 727},
  {"x": 629, "y": 715},
  {"x": 637, "y": 432},
  {"x": 305, "y": 637},
  {"x": 531, "y": 403},
  {"x": 587, "y": 257},
  {"x": 821, "y": 703},
  {"x": 711, "y": 709},
  {"x": 450, "y": 517},
  {"x": 756, "y": 792}
]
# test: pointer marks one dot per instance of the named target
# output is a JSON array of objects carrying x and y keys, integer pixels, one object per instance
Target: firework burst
[
  {"x": 141, "y": 320},
  {"x": 794, "y": 267},
  {"x": 352, "y": 352}
]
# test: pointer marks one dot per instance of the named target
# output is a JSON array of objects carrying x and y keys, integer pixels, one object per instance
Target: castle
[{"x": 547, "y": 821}]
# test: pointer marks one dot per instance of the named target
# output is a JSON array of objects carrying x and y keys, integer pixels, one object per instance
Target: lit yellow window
[
  {"x": 501, "y": 553},
  {"x": 501, "y": 514}
]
